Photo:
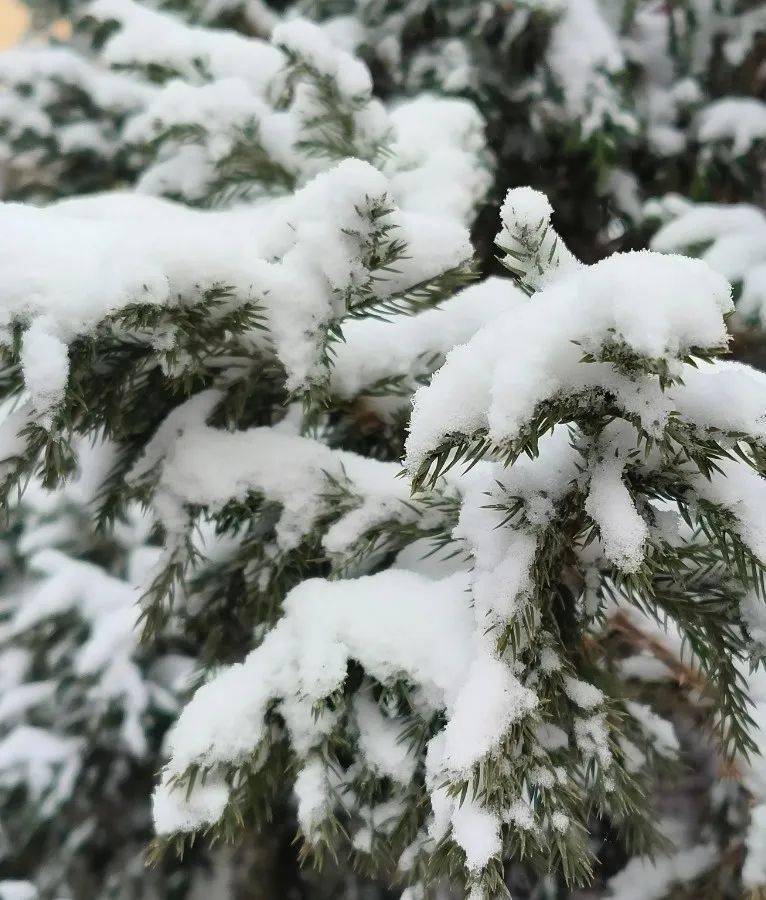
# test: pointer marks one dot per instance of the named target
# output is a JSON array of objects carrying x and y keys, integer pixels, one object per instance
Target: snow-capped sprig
[
  {"x": 224, "y": 140},
  {"x": 605, "y": 381},
  {"x": 248, "y": 300},
  {"x": 397, "y": 608},
  {"x": 60, "y": 122},
  {"x": 731, "y": 238},
  {"x": 327, "y": 508},
  {"x": 534, "y": 253}
]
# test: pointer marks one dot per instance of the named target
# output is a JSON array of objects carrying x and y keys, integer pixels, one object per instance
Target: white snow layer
[
  {"x": 76, "y": 262},
  {"x": 395, "y": 624}
]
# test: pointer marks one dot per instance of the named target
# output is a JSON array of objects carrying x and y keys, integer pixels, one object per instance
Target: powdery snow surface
[
  {"x": 497, "y": 379},
  {"x": 411, "y": 347},
  {"x": 147, "y": 37},
  {"x": 738, "y": 120},
  {"x": 210, "y": 467},
  {"x": 645, "y": 879},
  {"x": 729, "y": 237},
  {"x": 74, "y": 263},
  {"x": 394, "y": 623}
]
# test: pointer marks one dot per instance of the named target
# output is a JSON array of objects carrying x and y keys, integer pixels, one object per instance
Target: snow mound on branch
[
  {"x": 210, "y": 467},
  {"x": 78, "y": 261},
  {"x": 498, "y": 378},
  {"x": 730, "y": 238},
  {"x": 147, "y": 37},
  {"x": 740, "y": 120},
  {"x": 410, "y": 347},
  {"x": 108, "y": 606},
  {"x": 395, "y": 624},
  {"x": 109, "y": 90}
]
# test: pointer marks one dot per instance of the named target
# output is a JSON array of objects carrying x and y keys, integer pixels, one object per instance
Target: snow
[
  {"x": 622, "y": 529},
  {"x": 108, "y": 606},
  {"x": 741, "y": 120},
  {"x": 380, "y": 742},
  {"x": 646, "y": 879},
  {"x": 179, "y": 809},
  {"x": 395, "y": 624},
  {"x": 76, "y": 262},
  {"x": 404, "y": 346},
  {"x": 314, "y": 45},
  {"x": 477, "y": 831},
  {"x": 476, "y": 728},
  {"x": 585, "y": 695},
  {"x": 45, "y": 364},
  {"x": 732, "y": 238},
  {"x": 754, "y": 868},
  {"x": 592, "y": 736},
  {"x": 742, "y": 491},
  {"x": 496, "y": 380},
  {"x": 581, "y": 67},
  {"x": 438, "y": 157},
  {"x": 47, "y": 764},
  {"x": 526, "y": 217},
  {"x": 312, "y": 791},
  {"x": 660, "y": 731},
  {"x": 42, "y": 66},
  {"x": 17, "y": 890},
  {"x": 147, "y": 37},
  {"x": 210, "y": 467}
]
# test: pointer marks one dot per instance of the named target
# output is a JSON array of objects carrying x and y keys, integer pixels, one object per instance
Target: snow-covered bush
[
  {"x": 439, "y": 717},
  {"x": 84, "y": 706},
  {"x": 602, "y": 104},
  {"x": 211, "y": 117},
  {"x": 459, "y": 674}
]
